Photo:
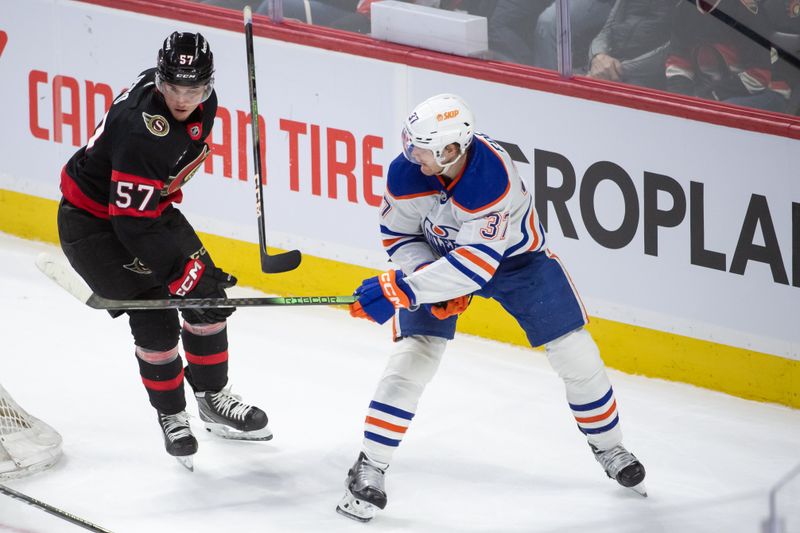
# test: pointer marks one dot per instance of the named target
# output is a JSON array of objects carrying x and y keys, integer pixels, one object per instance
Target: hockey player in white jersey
[{"x": 458, "y": 221}]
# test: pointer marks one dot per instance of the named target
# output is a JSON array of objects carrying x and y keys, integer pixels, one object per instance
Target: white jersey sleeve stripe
[
  {"x": 470, "y": 274},
  {"x": 475, "y": 260},
  {"x": 392, "y": 245},
  {"x": 532, "y": 234},
  {"x": 488, "y": 251}
]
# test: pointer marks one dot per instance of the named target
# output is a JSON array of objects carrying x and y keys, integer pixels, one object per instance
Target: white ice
[{"x": 493, "y": 447}]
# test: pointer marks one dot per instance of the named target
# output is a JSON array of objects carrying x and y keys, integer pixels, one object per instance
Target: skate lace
[
  {"x": 230, "y": 405},
  {"x": 615, "y": 459},
  {"x": 176, "y": 426}
]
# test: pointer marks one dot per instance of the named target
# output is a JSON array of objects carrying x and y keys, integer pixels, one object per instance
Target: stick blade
[
  {"x": 63, "y": 275},
  {"x": 275, "y": 264}
]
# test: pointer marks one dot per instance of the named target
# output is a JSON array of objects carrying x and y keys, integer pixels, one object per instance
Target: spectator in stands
[
  {"x": 510, "y": 27},
  {"x": 784, "y": 17},
  {"x": 719, "y": 50},
  {"x": 632, "y": 46},
  {"x": 586, "y": 19},
  {"x": 350, "y": 15}
]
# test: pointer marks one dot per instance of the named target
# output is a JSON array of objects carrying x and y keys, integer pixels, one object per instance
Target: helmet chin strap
[{"x": 446, "y": 166}]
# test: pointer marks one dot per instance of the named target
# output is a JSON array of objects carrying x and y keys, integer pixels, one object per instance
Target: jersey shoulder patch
[
  {"x": 406, "y": 180},
  {"x": 486, "y": 179}
]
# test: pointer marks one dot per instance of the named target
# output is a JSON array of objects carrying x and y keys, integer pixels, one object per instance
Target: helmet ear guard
[
  {"x": 436, "y": 123},
  {"x": 185, "y": 59}
]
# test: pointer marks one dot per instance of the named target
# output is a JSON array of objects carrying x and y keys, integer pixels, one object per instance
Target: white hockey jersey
[{"x": 460, "y": 232}]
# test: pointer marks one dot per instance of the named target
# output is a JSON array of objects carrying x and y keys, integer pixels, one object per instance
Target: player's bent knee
[
  {"x": 416, "y": 358},
  {"x": 157, "y": 357},
  {"x": 575, "y": 356},
  {"x": 156, "y": 330}
]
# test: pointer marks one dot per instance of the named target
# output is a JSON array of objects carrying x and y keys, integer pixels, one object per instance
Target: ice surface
[{"x": 493, "y": 447}]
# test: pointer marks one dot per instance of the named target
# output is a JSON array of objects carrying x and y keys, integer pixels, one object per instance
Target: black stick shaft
[
  {"x": 286, "y": 261},
  {"x": 251, "y": 79},
  {"x": 98, "y": 302},
  {"x": 53, "y": 510}
]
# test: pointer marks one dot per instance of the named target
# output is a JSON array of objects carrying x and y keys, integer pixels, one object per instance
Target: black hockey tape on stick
[
  {"x": 67, "y": 279},
  {"x": 69, "y": 517},
  {"x": 270, "y": 264}
]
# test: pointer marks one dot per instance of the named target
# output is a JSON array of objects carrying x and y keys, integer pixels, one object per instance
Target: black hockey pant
[{"x": 111, "y": 271}]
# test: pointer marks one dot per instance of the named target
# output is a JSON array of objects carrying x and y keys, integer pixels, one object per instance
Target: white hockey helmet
[{"x": 436, "y": 123}]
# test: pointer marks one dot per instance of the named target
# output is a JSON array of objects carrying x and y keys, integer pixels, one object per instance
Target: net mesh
[{"x": 27, "y": 445}]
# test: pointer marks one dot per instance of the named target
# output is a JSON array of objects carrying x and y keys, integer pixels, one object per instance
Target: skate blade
[
  {"x": 355, "y": 509},
  {"x": 227, "y": 432},
  {"x": 639, "y": 489},
  {"x": 186, "y": 461}
]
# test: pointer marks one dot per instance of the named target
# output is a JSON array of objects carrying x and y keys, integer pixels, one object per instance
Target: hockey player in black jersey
[{"x": 121, "y": 232}]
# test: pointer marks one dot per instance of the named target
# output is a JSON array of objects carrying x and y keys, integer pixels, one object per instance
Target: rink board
[
  {"x": 636, "y": 350},
  {"x": 708, "y": 296}
]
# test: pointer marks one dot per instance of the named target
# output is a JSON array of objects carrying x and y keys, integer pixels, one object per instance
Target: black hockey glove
[{"x": 203, "y": 281}]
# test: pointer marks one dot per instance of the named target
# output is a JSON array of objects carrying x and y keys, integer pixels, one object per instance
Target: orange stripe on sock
[
  {"x": 477, "y": 260},
  {"x": 385, "y": 425},
  {"x": 598, "y": 417}
]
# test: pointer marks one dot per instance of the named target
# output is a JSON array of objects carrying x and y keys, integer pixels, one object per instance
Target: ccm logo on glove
[
  {"x": 389, "y": 290},
  {"x": 379, "y": 296},
  {"x": 191, "y": 275}
]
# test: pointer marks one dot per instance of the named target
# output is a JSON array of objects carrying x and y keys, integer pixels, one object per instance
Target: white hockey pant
[
  {"x": 412, "y": 365},
  {"x": 576, "y": 359}
]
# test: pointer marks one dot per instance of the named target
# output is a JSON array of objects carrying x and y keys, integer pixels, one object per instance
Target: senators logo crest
[
  {"x": 156, "y": 124},
  {"x": 793, "y": 8}
]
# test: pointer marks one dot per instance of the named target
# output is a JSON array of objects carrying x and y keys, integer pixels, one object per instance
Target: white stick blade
[
  {"x": 62, "y": 274},
  {"x": 248, "y": 15}
]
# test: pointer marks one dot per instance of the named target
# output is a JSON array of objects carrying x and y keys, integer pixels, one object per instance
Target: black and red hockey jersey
[
  {"x": 717, "y": 50},
  {"x": 133, "y": 167}
]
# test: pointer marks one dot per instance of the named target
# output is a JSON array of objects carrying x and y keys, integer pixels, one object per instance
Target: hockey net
[{"x": 27, "y": 445}]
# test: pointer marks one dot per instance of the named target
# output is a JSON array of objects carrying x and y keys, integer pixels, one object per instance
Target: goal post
[{"x": 27, "y": 445}]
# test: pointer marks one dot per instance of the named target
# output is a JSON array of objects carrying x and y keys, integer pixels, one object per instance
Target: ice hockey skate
[
  {"x": 178, "y": 438},
  {"x": 365, "y": 490},
  {"x": 622, "y": 465},
  {"x": 227, "y": 416}
]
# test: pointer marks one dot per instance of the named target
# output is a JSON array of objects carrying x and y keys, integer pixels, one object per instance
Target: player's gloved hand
[
  {"x": 203, "y": 281},
  {"x": 456, "y": 306},
  {"x": 379, "y": 296}
]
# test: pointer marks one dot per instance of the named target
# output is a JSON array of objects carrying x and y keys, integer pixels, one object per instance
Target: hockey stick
[
  {"x": 270, "y": 264},
  {"x": 53, "y": 510},
  {"x": 71, "y": 282}
]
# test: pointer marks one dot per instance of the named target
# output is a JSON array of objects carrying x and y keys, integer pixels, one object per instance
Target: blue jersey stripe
[
  {"x": 387, "y": 231},
  {"x": 488, "y": 251},
  {"x": 397, "y": 246},
  {"x": 524, "y": 231},
  {"x": 595, "y": 431},
  {"x": 474, "y": 276},
  {"x": 388, "y": 409},
  {"x": 381, "y": 439},
  {"x": 594, "y": 405}
]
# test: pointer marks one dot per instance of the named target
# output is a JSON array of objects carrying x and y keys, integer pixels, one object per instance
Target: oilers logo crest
[{"x": 441, "y": 238}]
